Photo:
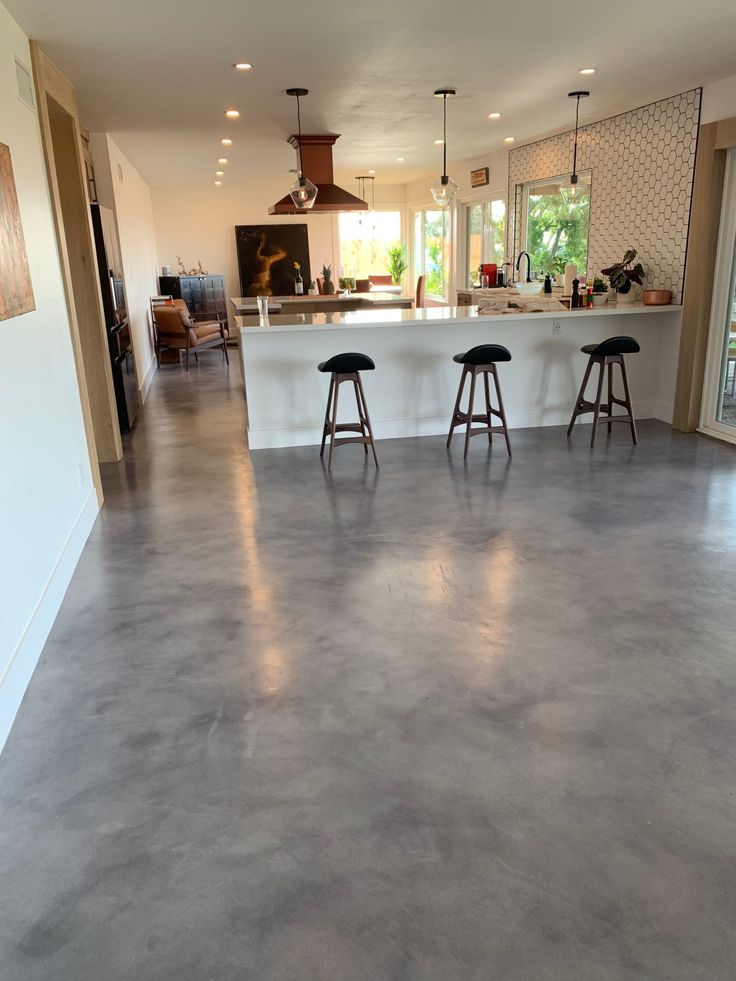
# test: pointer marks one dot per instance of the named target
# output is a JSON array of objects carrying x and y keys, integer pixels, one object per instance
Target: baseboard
[
  {"x": 147, "y": 381},
  {"x": 261, "y": 439},
  {"x": 23, "y": 661}
]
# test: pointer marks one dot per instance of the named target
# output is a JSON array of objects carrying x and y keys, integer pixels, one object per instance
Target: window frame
[
  {"x": 485, "y": 200},
  {"x": 417, "y": 261},
  {"x": 523, "y": 222},
  {"x": 397, "y": 207}
]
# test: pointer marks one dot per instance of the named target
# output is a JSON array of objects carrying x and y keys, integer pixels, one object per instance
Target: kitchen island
[
  {"x": 324, "y": 303},
  {"x": 412, "y": 390}
]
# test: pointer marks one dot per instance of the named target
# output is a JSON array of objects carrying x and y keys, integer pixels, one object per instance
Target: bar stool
[
  {"x": 606, "y": 355},
  {"x": 480, "y": 360},
  {"x": 342, "y": 368}
]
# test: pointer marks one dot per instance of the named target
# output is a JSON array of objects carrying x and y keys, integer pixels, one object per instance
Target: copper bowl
[{"x": 657, "y": 298}]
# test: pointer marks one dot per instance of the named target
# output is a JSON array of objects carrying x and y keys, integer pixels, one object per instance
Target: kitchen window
[
  {"x": 554, "y": 226},
  {"x": 485, "y": 232},
  {"x": 365, "y": 238},
  {"x": 431, "y": 251}
]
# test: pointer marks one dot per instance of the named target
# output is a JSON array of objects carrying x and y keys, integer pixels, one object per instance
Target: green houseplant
[
  {"x": 622, "y": 274},
  {"x": 600, "y": 292},
  {"x": 328, "y": 287},
  {"x": 397, "y": 264}
]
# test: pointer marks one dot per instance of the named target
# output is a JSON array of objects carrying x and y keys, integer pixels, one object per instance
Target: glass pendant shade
[
  {"x": 444, "y": 190},
  {"x": 303, "y": 193}
]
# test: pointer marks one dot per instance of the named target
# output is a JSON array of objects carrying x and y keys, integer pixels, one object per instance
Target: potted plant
[
  {"x": 622, "y": 274},
  {"x": 397, "y": 264},
  {"x": 328, "y": 287},
  {"x": 600, "y": 292}
]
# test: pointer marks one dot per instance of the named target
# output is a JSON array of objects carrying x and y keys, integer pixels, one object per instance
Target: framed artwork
[
  {"x": 16, "y": 290},
  {"x": 266, "y": 257}
]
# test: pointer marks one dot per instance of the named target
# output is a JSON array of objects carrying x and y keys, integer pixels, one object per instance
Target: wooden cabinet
[{"x": 202, "y": 294}]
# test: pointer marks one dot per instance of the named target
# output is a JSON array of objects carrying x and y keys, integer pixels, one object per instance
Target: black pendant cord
[
  {"x": 299, "y": 127},
  {"x": 575, "y": 151},
  {"x": 444, "y": 138}
]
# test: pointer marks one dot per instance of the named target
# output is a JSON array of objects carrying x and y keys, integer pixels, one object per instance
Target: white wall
[
  {"x": 47, "y": 501},
  {"x": 719, "y": 100},
  {"x": 121, "y": 188}
]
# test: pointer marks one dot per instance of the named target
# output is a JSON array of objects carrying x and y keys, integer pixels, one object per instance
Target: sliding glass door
[{"x": 719, "y": 397}]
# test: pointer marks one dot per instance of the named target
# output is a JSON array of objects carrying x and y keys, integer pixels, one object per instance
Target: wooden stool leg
[
  {"x": 581, "y": 396},
  {"x": 326, "y": 427},
  {"x": 502, "y": 411},
  {"x": 368, "y": 421},
  {"x": 597, "y": 405},
  {"x": 453, "y": 421},
  {"x": 469, "y": 420},
  {"x": 627, "y": 397},
  {"x": 610, "y": 396},
  {"x": 333, "y": 422},
  {"x": 363, "y": 432},
  {"x": 487, "y": 387}
]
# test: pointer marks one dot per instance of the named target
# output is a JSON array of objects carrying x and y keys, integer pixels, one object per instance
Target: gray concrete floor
[{"x": 441, "y": 722}]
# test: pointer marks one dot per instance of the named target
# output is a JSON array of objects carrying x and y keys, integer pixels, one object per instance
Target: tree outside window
[{"x": 557, "y": 225}]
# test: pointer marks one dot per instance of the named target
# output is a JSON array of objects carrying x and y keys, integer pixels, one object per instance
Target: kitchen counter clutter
[{"x": 412, "y": 390}]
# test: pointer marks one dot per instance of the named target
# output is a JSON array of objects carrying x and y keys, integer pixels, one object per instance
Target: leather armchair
[{"x": 176, "y": 328}]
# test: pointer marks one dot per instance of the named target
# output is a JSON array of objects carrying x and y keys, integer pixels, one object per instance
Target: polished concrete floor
[{"x": 439, "y": 723}]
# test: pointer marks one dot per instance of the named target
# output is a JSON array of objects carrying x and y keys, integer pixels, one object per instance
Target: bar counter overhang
[{"x": 412, "y": 390}]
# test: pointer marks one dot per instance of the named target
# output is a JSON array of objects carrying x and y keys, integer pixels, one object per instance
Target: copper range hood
[{"x": 317, "y": 166}]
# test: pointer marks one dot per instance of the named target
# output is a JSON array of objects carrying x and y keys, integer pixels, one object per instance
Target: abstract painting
[
  {"x": 16, "y": 291},
  {"x": 266, "y": 257}
]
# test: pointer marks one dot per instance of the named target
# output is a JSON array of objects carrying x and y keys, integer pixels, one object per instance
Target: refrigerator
[{"x": 112, "y": 287}]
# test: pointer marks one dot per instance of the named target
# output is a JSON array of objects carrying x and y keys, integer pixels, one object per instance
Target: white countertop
[
  {"x": 281, "y": 323},
  {"x": 372, "y": 299}
]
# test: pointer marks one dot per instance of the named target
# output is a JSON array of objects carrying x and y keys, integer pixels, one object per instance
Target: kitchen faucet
[{"x": 528, "y": 265}]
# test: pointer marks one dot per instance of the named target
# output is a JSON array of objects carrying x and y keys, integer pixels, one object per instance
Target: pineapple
[{"x": 328, "y": 286}]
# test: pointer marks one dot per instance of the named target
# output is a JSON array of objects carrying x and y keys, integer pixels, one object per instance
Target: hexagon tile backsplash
[{"x": 642, "y": 165}]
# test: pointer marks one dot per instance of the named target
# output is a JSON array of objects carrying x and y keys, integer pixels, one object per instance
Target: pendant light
[
  {"x": 364, "y": 183},
  {"x": 303, "y": 192},
  {"x": 570, "y": 189},
  {"x": 444, "y": 188}
]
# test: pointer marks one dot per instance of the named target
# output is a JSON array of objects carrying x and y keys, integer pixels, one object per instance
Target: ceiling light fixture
[
  {"x": 371, "y": 171},
  {"x": 444, "y": 188},
  {"x": 242, "y": 66},
  {"x": 303, "y": 192},
  {"x": 400, "y": 160},
  {"x": 494, "y": 115},
  {"x": 218, "y": 183},
  {"x": 508, "y": 139},
  {"x": 226, "y": 142},
  {"x": 222, "y": 160},
  {"x": 439, "y": 142},
  {"x": 232, "y": 113},
  {"x": 363, "y": 184},
  {"x": 570, "y": 189},
  {"x": 586, "y": 71},
  {"x": 219, "y": 173}
]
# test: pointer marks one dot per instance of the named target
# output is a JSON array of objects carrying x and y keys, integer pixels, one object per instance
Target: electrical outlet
[{"x": 556, "y": 327}]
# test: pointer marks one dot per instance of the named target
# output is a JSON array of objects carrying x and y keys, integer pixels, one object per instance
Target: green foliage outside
[
  {"x": 557, "y": 232},
  {"x": 397, "y": 264},
  {"x": 435, "y": 263}
]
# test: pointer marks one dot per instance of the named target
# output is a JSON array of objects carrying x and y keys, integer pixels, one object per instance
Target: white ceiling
[{"x": 156, "y": 73}]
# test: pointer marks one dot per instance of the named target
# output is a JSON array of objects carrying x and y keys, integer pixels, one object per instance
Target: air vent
[{"x": 25, "y": 85}]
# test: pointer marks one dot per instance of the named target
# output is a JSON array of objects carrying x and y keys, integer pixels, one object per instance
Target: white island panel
[{"x": 412, "y": 390}]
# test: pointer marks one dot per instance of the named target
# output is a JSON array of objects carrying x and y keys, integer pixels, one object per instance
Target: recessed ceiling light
[
  {"x": 226, "y": 142},
  {"x": 371, "y": 171},
  {"x": 232, "y": 113},
  {"x": 439, "y": 142},
  {"x": 242, "y": 66},
  {"x": 586, "y": 71},
  {"x": 400, "y": 160},
  {"x": 218, "y": 183},
  {"x": 508, "y": 139},
  {"x": 222, "y": 160},
  {"x": 494, "y": 115},
  {"x": 219, "y": 173}
]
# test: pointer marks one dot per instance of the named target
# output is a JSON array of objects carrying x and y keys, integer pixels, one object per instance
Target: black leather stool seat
[
  {"x": 351, "y": 361},
  {"x": 613, "y": 346},
  {"x": 484, "y": 354}
]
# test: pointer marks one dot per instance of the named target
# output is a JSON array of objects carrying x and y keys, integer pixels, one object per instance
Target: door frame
[{"x": 722, "y": 300}]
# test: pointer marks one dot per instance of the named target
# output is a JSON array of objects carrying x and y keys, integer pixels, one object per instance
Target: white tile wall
[{"x": 642, "y": 165}]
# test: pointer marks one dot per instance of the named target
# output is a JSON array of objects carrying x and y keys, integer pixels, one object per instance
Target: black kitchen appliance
[{"x": 112, "y": 286}]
